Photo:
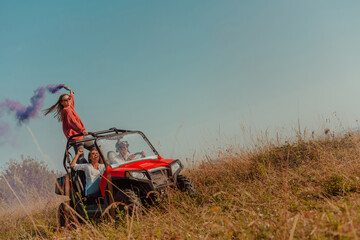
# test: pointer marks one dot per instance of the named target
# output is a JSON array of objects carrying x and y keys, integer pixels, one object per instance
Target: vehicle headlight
[
  {"x": 139, "y": 175},
  {"x": 174, "y": 167}
]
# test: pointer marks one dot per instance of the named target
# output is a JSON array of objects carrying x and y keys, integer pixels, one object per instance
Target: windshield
[{"x": 122, "y": 148}]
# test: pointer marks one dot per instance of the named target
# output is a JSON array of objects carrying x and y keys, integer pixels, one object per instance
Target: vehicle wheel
[
  {"x": 128, "y": 200},
  {"x": 61, "y": 216},
  {"x": 186, "y": 185},
  {"x": 151, "y": 199},
  {"x": 65, "y": 218}
]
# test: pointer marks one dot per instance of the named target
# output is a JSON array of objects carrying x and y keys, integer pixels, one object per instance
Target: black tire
[
  {"x": 76, "y": 203},
  {"x": 61, "y": 216},
  {"x": 128, "y": 200},
  {"x": 65, "y": 218},
  {"x": 186, "y": 185},
  {"x": 151, "y": 199}
]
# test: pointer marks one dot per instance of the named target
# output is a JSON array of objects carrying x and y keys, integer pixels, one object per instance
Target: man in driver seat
[{"x": 122, "y": 147}]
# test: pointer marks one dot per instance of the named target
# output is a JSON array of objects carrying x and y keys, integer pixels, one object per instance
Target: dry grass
[{"x": 306, "y": 189}]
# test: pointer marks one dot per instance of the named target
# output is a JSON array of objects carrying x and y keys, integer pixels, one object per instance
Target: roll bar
[{"x": 96, "y": 135}]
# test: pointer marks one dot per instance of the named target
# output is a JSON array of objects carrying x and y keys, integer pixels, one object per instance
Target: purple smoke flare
[
  {"x": 4, "y": 133},
  {"x": 25, "y": 113},
  {"x": 55, "y": 88},
  {"x": 4, "y": 129}
]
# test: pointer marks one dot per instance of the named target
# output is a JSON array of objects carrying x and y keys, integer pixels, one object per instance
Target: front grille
[{"x": 159, "y": 177}]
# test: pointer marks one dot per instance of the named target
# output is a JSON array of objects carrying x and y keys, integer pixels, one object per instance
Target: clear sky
[{"x": 180, "y": 71}]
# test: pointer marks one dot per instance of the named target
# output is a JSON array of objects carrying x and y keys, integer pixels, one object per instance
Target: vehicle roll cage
[{"x": 96, "y": 135}]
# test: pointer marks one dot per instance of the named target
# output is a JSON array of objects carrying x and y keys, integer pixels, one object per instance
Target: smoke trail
[
  {"x": 4, "y": 132},
  {"x": 45, "y": 157},
  {"x": 25, "y": 113},
  {"x": 55, "y": 87},
  {"x": 4, "y": 129}
]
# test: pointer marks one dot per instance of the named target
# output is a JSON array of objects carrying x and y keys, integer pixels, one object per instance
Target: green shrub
[
  {"x": 28, "y": 177},
  {"x": 337, "y": 185}
]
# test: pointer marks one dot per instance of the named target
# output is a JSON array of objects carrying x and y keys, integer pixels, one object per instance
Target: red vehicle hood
[
  {"x": 139, "y": 165},
  {"x": 145, "y": 164}
]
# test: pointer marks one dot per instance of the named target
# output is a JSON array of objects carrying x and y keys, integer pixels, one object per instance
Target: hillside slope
[{"x": 305, "y": 189}]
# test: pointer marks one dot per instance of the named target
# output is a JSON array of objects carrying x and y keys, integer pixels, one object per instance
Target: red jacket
[{"x": 71, "y": 121}]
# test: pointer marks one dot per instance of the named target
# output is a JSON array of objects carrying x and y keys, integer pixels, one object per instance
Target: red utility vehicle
[{"x": 131, "y": 179}]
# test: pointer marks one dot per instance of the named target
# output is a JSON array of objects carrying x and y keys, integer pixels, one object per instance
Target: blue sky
[{"x": 181, "y": 70}]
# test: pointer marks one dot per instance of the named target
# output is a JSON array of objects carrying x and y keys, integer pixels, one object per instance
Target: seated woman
[{"x": 92, "y": 170}]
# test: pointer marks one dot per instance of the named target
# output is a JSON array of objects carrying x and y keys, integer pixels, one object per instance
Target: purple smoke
[
  {"x": 55, "y": 87},
  {"x": 4, "y": 129},
  {"x": 4, "y": 133},
  {"x": 24, "y": 113}
]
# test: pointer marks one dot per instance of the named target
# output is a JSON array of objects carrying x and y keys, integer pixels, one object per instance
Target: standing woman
[{"x": 64, "y": 112}]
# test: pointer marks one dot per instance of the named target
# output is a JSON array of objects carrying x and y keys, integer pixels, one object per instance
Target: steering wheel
[{"x": 138, "y": 153}]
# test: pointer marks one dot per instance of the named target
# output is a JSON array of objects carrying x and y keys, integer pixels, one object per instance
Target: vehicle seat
[
  {"x": 81, "y": 161},
  {"x": 80, "y": 182},
  {"x": 111, "y": 155}
]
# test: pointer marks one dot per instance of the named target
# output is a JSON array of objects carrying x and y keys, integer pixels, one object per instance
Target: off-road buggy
[{"x": 128, "y": 184}]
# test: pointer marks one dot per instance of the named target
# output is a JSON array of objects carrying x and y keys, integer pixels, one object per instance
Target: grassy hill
[{"x": 303, "y": 189}]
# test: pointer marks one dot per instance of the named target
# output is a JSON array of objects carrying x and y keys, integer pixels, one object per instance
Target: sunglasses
[{"x": 66, "y": 99}]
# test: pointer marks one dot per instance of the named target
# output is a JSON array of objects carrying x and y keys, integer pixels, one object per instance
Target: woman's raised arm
[{"x": 80, "y": 151}]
